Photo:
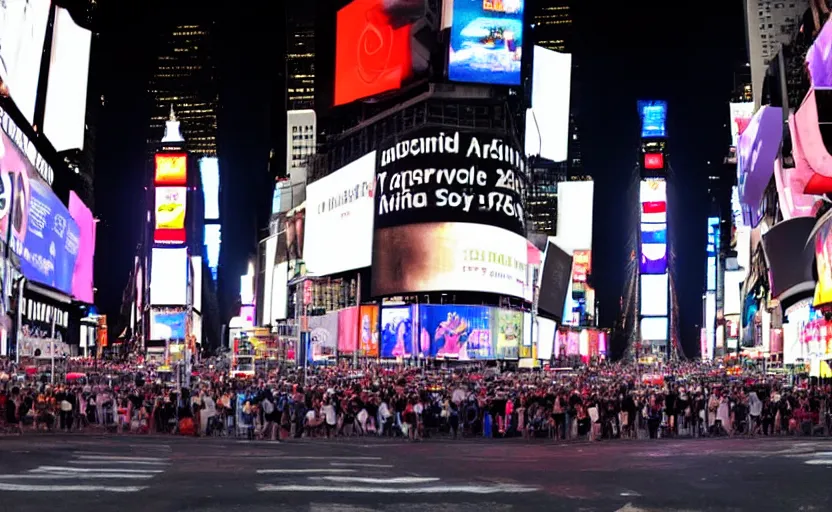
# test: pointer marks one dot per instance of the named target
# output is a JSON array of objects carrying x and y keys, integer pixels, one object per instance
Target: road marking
[
  {"x": 67, "y": 488},
  {"x": 359, "y": 465},
  {"x": 819, "y": 462},
  {"x": 45, "y": 469},
  {"x": 302, "y": 471},
  {"x": 368, "y": 480},
  {"x": 632, "y": 494},
  {"x": 327, "y": 458},
  {"x": 72, "y": 476},
  {"x": 445, "y": 489},
  {"x": 119, "y": 458},
  {"x": 131, "y": 462}
]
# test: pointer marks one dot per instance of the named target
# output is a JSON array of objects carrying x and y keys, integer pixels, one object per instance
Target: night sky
[{"x": 626, "y": 51}]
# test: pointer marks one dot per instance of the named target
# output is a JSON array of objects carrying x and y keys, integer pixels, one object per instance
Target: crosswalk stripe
[
  {"x": 68, "y": 488},
  {"x": 444, "y": 489},
  {"x": 359, "y": 465},
  {"x": 302, "y": 471},
  {"x": 130, "y": 462},
  {"x": 369, "y": 480},
  {"x": 119, "y": 458},
  {"x": 45, "y": 469},
  {"x": 326, "y": 458},
  {"x": 82, "y": 476},
  {"x": 819, "y": 462}
]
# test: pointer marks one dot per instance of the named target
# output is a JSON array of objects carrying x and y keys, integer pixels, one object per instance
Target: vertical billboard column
[
  {"x": 711, "y": 287},
  {"x": 654, "y": 307}
]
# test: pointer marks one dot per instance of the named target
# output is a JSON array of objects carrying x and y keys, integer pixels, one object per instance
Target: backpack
[{"x": 268, "y": 406}]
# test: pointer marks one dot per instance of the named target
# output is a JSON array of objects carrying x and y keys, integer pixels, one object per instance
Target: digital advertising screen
[
  {"x": 546, "y": 338},
  {"x": 167, "y": 323},
  {"x": 654, "y": 233},
  {"x": 653, "y": 258},
  {"x": 196, "y": 282},
  {"x": 66, "y": 93},
  {"x": 170, "y": 207},
  {"x": 339, "y": 219},
  {"x": 740, "y": 115},
  {"x": 82, "y": 276},
  {"x": 819, "y": 58},
  {"x": 430, "y": 175},
  {"x": 581, "y": 266},
  {"x": 44, "y": 234},
  {"x": 323, "y": 337},
  {"x": 555, "y": 282},
  {"x": 823, "y": 259},
  {"x": 654, "y": 295},
  {"x": 213, "y": 240},
  {"x": 168, "y": 277},
  {"x": 397, "y": 332},
  {"x": 486, "y": 41},
  {"x": 654, "y": 161},
  {"x": 368, "y": 337},
  {"x": 22, "y": 33},
  {"x": 547, "y": 122},
  {"x": 508, "y": 333},
  {"x": 455, "y": 332},
  {"x": 348, "y": 330},
  {"x": 654, "y": 329},
  {"x": 373, "y": 49},
  {"x": 209, "y": 172},
  {"x": 279, "y": 293},
  {"x": 575, "y": 215},
  {"x": 171, "y": 169},
  {"x": 450, "y": 256},
  {"x": 653, "y": 115}
]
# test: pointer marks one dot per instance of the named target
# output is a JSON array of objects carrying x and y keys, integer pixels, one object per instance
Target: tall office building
[
  {"x": 769, "y": 25},
  {"x": 300, "y": 56},
  {"x": 185, "y": 79}
]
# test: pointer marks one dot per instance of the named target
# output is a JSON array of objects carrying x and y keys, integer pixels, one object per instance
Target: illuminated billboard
[
  {"x": 171, "y": 169},
  {"x": 654, "y": 328},
  {"x": 339, "y": 214},
  {"x": 373, "y": 50},
  {"x": 167, "y": 324},
  {"x": 82, "y": 276},
  {"x": 757, "y": 150},
  {"x": 22, "y": 34},
  {"x": 819, "y": 58},
  {"x": 486, "y": 41},
  {"x": 547, "y": 122},
  {"x": 575, "y": 215},
  {"x": 170, "y": 215},
  {"x": 66, "y": 93},
  {"x": 213, "y": 240},
  {"x": 712, "y": 250},
  {"x": 740, "y": 116},
  {"x": 823, "y": 259},
  {"x": 654, "y": 295},
  {"x": 196, "y": 282},
  {"x": 581, "y": 266},
  {"x": 654, "y": 233},
  {"x": 653, "y": 258},
  {"x": 456, "y": 332},
  {"x": 653, "y": 119},
  {"x": 209, "y": 172},
  {"x": 654, "y": 161},
  {"x": 168, "y": 276},
  {"x": 449, "y": 256},
  {"x": 653, "y": 198},
  {"x": 431, "y": 175}
]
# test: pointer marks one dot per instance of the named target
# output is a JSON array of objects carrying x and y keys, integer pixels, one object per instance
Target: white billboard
[
  {"x": 547, "y": 122},
  {"x": 339, "y": 219},
  {"x": 196, "y": 327},
  {"x": 710, "y": 324},
  {"x": 168, "y": 277},
  {"x": 547, "y": 329},
  {"x": 741, "y": 114},
  {"x": 196, "y": 278},
  {"x": 213, "y": 240},
  {"x": 66, "y": 93},
  {"x": 209, "y": 172},
  {"x": 654, "y": 295},
  {"x": 574, "y": 225},
  {"x": 22, "y": 34},
  {"x": 654, "y": 329},
  {"x": 280, "y": 286},
  {"x": 268, "y": 281},
  {"x": 732, "y": 304}
]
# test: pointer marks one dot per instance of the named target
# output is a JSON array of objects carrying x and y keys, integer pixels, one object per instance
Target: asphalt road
[{"x": 85, "y": 472}]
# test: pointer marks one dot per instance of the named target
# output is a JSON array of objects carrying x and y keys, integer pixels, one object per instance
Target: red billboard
[
  {"x": 372, "y": 55},
  {"x": 653, "y": 161},
  {"x": 171, "y": 169},
  {"x": 169, "y": 236}
]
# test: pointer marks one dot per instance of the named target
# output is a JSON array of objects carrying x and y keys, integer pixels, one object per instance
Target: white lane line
[
  {"x": 819, "y": 462},
  {"x": 67, "y": 488},
  {"x": 302, "y": 471},
  {"x": 444, "y": 489},
  {"x": 359, "y": 465},
  {"x": 64, "y": 469},
  {"x": 130, "y": 462},
  {"x": 369, "y": 480},
  {"x": 326, "y": 458},
  {"x": 117, "y": 457},
  {"x": 70, "y": 476}
]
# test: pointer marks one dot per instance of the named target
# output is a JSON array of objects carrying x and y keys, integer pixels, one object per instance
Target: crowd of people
[{"x": 608, "y": 401}]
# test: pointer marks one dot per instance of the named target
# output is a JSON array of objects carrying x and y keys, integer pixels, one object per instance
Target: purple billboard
[
  {"x": 756, "y": 152},
  {"x": 653, "y": 258},
  {"x": 819, "y": 58}
]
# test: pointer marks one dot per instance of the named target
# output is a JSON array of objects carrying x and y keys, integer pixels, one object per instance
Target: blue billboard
[
  {"x": 455, "y": 332},
  {"x": 653, "y": 115},
  {"x": 168, "y": 324},
  {"x": 486, "y": 41},
  {"x": 397, "y": 332}
]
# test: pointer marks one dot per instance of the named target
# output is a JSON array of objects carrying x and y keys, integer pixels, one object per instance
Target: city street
[{"x": 86, "y": 472}]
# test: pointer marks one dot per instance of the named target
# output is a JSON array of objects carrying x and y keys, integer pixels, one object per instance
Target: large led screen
[
  {"x": 209, "y": 172},
  {"x": 581, "y": 266},
  {"x": 44, "y": 235},
  {"x": 167, "y": 324},
  {"x": 213, "y": 240},
  {"x": 168, "y": 277},
  {"x": 265, "y": 308},
  {"x": 431, "y": 175},
  {"x": 368, "y": 337},
  {"x": 546, "y": 338},
  {"x": 547, "y": 122},
  {"x": 82, "y": 276},
  {"x": 397, "y": 331},
  {"x": 373, "y": 50},
  {"x": 508, "y": 333},
  {"x": 819, "y": 58},
  {"x": 339, "y": 219},
  {"x": 654, "y": 295},
  {"x": 741, "y": 114},
  {"x": 575, "y": 203},
  {"x": 450, "y": 256},
  {"x": 823, "y": 259},
  {"x": 653, "y": 258},
  {"x": 654, "y": 329},
  {"x": 279, "y": 291},
  {"x": 654, "y": 233},
  {"x": 733, "y": 287},
  {"x": 170, "y": 207},
  {"x": 653, "y": 118},
  {"x": 555, "y": 282},
  {"x": 22, "y": 34},
  {"x": 654, "y": 161},
  {"x": 455, "y": 332},
  {"x": 196, "y": 280},
  {"x": 653, "y": 198},
  {"x": 323, "y": 337},
  {"x": 486, "y": 41},
  {"x": 171, "y": 169}
]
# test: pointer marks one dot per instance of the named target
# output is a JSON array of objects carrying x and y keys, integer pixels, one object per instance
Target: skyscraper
[
  {"x": 300, "y": 57},
  {"x": 185, "y": 78},
  {"x": 552, "y": 25}
]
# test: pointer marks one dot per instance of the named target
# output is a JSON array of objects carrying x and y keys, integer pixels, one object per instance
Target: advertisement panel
[
  {"x": 653, "y": 258},
  {"x": 323, "y": 337},
  {"x": 168, "y": 276},
  {"x": 167, "y": 323},
  {"x": 732, "y": 305},
  {"x": 171, "y": 169},
  {"x": 44, "y": 235},
  {"x": 450, "y": 256},
  {"x": 740, "y": 115},
  {"x": 575, "y": 209},
  {"x": 823, "y": 259},
  {"x": 37, "y": 337},
  {"x": 170, "y": 208},
  {"x": 653, "y": 115},
  {"x": 434, "y": 176},
  {"x": 339, "y": 219},
  {"x": 654, "y": 233},
  {"x": 508, "y": 333},
  {"x": 368, "y": 343},
  {"x": 373, "y": 50},
  {"x": 654, "y": 161},
  {"x": 654, "y": 329},
  {"x": 547, "y": 122},
  {"x": 213, "y": 239},
  {"x": 757, "y": 149},
  {"x": 279, "y": 292},
  {"x": 555, "y": 282},
  {"x": 209, "y": 172},
  {"x": 819, "y": 58},
  {"x": 82, "y": 276},
  {"x": 456, "y": 332},
  {"x": 653, "y": 198},
  {"x": 196, "y": 279},
  {"x": 397, "y": 331},
  {"x": 711, "y": 251},
  {"x": 546, "y": 338},
  {"x": 269, "y": 267},
  {"x": 486, "y": 41},
  {"x": 654, "y": 295},
  {"x": 22, "y": 34},
  {"x": 348, "y": 330},
  {"x": 581, "y": 266}
]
